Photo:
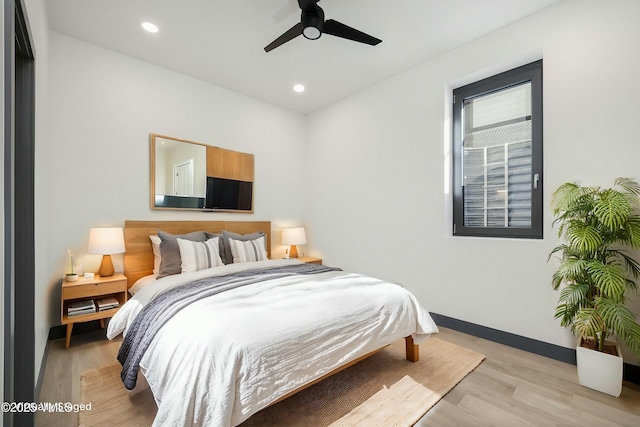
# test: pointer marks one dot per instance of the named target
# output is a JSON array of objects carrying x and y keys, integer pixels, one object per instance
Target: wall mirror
[{"x": 188, "y": 175}]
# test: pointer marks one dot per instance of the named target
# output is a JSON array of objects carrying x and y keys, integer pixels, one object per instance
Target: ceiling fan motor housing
[{"x": 312, "y": 23}]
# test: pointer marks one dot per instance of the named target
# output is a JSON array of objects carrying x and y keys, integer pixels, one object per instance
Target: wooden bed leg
[{"x": 413, "y": 351}]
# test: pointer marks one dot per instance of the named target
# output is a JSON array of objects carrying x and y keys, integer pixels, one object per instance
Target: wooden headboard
[{"x": 138, "y": 258}]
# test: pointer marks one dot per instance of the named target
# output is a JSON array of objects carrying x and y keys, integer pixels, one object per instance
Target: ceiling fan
[{"x": 312, "y": 25}]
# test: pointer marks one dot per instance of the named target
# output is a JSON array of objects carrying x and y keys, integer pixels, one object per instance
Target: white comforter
[{"x": 225, "y": 357}]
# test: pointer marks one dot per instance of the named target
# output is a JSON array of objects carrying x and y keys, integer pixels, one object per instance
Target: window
[{"x": 497, "y": 155}]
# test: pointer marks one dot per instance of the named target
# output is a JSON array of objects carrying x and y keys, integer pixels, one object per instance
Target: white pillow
[
  {"x": 248, "y": 251},
  {"x": 199, "y": 255},
  {"x": 157, "y": 256}
]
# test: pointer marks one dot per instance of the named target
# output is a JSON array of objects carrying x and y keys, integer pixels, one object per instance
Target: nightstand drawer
[{"x": 93, "y": 289}]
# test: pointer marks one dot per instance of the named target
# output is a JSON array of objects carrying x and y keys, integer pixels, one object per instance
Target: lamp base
[
  {"x": 293, "y": 252},
  {"x": 106, "y": 267}
]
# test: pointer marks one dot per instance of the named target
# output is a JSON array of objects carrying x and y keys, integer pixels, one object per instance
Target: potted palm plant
[{"x": 597, "y": 272}]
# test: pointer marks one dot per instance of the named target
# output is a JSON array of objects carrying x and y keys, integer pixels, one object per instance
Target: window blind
[{"x": 497, "y": 158}]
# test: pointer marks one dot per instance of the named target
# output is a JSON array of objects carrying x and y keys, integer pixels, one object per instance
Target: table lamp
[
  {"x": 106, "y": 241},
  {"x": 293, "y": 237}
]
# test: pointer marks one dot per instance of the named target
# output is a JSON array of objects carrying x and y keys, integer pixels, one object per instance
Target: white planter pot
[{"x": 600, "y": 371}]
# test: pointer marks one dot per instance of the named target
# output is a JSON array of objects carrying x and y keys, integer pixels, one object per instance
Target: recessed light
[
  {"x": 150, "y": 27},
  {"x": 298, "y": 88}
]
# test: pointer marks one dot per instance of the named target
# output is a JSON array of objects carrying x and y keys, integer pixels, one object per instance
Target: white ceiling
[{"x": 222, "y": 42}]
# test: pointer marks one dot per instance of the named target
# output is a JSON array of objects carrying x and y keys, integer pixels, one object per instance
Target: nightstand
[
  {"x": 99, "y": 287},
  {"x": 310, "y": 260}
]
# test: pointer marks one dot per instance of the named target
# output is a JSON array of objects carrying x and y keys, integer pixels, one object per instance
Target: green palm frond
[
  {"x": 583, "y": 237},
  {"x": 567, "y": 251},
  {"x": 632, "y": 232},
  {"x": 628, "y": 184},
  {"x": 556, "y": 280},
  {"x": 581, "y": 208},
  {"x": 559, "y": 248},
  {"x": 612, "y": 209},
  {"x": 631, "y": 189},
  {"x": 566, "y": 313},
  {"x": 630, "y": 264},
  {"x": 632, "y": 339},
  {"x": 572, "y": 268},
  {"x": 564, "y": 198},
  {"x": 610, "y": 279},
  {"x": 588, "y": 323},
  {"x": 621, "y": 320},
  {"x": 574, "y": 294}
]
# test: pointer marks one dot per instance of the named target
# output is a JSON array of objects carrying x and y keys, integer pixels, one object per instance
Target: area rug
[{"x": 383, "y": 390}]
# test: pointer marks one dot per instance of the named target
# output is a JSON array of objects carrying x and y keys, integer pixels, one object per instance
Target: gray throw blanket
[{"x": 158, "y": 312}]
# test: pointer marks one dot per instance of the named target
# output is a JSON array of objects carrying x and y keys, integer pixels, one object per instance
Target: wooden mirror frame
[{"x": 220, "y": 163}]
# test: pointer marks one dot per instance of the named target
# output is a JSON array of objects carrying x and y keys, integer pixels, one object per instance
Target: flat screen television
[{"x": 228, "y": 194}]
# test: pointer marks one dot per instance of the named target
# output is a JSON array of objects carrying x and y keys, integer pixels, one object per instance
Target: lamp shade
[
  {"x": 293, "y": 236},
  {"x": 106, "y": 241}
]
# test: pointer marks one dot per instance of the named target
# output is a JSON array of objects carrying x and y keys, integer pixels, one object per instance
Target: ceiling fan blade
[
  {"x": 292, "y": 33},
  {"x": 338, "y": 29}
]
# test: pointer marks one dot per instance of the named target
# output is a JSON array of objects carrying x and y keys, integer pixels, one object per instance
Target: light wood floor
[{"x": 510, "y": 388}]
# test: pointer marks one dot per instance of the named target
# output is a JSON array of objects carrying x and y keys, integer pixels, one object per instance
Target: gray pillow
[
  {"x": 226, "y": 235},
  {"x": 170, "y": 251},
  {"x": 220, "y": 244}
]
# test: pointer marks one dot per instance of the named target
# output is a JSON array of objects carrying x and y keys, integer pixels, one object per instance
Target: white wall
[
  {"x": 379, "y": 167},
  {"x": 104, "y": 105}
]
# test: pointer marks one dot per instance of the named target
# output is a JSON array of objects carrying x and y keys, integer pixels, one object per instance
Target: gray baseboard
[
  {"x": 631, "y": 373},
  {"x": 43, "y": 366},
  {"x": 552, "y": 351}
]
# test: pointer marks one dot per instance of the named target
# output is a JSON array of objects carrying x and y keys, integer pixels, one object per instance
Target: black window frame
[{"x": 530, "y": 72}]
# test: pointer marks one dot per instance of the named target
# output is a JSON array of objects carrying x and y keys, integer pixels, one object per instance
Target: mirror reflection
[{"x": 180, "y": 173}]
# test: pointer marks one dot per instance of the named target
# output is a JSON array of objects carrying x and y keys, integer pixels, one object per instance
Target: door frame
[{"x": 18, "y": 212}]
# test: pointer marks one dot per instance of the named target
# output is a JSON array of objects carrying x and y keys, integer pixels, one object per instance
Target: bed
[{"x": 216, "y": 345}]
